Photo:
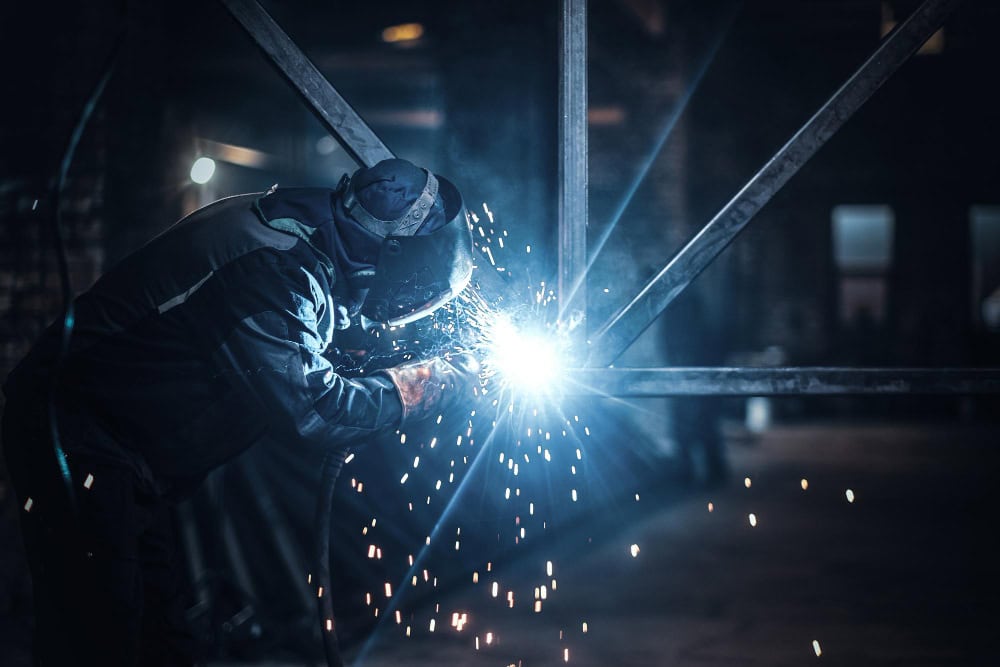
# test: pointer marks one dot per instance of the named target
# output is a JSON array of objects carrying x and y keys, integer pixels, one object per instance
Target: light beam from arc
[{"x": 647, "y": 164}]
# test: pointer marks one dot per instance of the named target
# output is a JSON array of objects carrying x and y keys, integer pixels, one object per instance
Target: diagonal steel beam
[
  {"x": 801, "y": 381},
  {"x": 622, "y": 328},
  {"x": 333, "y": 111}
]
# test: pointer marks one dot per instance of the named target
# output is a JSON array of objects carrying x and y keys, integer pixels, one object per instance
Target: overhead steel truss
[{"x": 622, "y": 329}]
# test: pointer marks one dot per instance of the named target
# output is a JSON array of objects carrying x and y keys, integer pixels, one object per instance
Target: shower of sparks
[{"x": 514, "y": 439}]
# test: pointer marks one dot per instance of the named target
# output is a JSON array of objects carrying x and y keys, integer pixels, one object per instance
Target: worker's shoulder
[{"x": 230, "y": 226}]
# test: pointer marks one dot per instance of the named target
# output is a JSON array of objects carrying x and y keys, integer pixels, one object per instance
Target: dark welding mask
[{"x": 420, "y": 266}]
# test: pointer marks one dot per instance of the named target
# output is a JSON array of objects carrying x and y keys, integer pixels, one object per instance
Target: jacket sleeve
[{"x": 274, "y": 351}]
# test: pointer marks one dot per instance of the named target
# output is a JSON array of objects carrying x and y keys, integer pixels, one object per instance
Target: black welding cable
[
  {"x": 332, "y": 464},
  {"x": 68, "y": 318}
]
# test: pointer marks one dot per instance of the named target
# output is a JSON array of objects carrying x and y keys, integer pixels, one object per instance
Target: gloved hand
[{"x": 428, "y": 388}]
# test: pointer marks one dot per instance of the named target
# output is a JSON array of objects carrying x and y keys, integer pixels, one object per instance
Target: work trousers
[{"x": 106, "y": 589}]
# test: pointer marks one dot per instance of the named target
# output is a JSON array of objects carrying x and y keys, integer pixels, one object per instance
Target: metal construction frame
[{"x": 614, "y": 336}]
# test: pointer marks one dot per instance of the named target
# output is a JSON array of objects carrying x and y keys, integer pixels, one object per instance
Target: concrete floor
[{"x": 903, "y": 575}]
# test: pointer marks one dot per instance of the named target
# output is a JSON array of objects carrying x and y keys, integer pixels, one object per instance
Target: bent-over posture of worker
[{"x": 193, "y": 348}]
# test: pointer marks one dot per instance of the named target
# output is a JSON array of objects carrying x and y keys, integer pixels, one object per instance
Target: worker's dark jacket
[{"x": 204, "y": 340}]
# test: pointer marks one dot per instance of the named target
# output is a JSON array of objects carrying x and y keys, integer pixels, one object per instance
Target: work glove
[{"x": 429, "y": 388}]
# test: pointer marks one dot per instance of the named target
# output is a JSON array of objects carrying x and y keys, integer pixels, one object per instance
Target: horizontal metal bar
[
  {"x": 763, "y": 381},
  {"x": 622, "y": 328},
  {"x": 333, "y": 111}
]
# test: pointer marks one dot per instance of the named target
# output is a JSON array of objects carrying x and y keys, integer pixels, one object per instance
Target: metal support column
[
  {"x": 625, "y": 326},
  {"x": 333, "y": 111},
  {"x": 801, "y": 381},
  {"x": 573, "y": 165}
]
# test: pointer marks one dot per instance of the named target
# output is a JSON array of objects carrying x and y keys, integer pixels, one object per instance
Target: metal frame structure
[{"x": 613, "y": 337}]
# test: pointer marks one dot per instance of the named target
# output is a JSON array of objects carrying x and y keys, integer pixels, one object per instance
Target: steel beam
[
  {"x": 622, "y": 328},
  {"x": 801, "y": 381},
  {"x": 573, "y": 162},
  {"x": 333, "y": 111}
]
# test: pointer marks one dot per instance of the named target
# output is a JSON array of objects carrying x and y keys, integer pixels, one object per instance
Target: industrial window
[
  {"x": 862, "y": 237},
  {"x": 862, "y": 247},
  {"x": 985, "y": 232}
]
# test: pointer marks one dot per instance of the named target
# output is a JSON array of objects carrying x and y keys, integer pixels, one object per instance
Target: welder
[{"x": 196, "y": 346}]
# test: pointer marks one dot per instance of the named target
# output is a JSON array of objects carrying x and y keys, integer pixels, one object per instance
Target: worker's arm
[{"x": 274, "y": 351}]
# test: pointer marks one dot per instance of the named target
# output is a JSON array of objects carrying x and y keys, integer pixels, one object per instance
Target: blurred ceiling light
[
  {"x": 427, "y": 119},
  {"x": 202, "y": 170},
  {"x": 404, "y": 32},
  {"x": 606, "y": 115},
  {"x": 233, "y": 154}
]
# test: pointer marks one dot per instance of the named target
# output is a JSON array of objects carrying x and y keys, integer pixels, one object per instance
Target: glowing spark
[
  {"x": 27, "y": 504},
  {"x": 585, "y": 628},
  {"x": 711, "y": 507},
  {"x": 816, "y": 648},
  {"x": 746, "y": 482},
  {"x": 634, "y": 549},
  {"x": 753, "y": 520},
  {"x": 89, "y": 482},
  {"x": 850, "y": 495},
  {"x": 804, "y": 483}
]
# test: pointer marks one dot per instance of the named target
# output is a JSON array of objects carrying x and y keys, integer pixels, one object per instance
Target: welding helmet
[{"x": 425, "y": 257}]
